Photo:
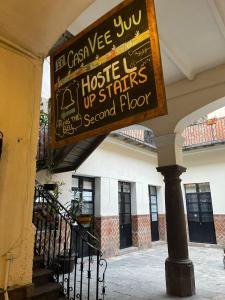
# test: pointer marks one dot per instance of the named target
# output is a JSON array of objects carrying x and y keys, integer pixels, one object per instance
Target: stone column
[
  {"x": 20, "y": 85},
  {"x": 180, "y": 279}
]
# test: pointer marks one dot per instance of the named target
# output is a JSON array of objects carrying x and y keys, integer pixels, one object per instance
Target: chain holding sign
[{"x": 109, "y": 76}]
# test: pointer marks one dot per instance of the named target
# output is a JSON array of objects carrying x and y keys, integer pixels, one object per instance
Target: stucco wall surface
[
  {"x": 116, "y": 161},
  {"x": 208, "y": 165},
  {"x": 20, "y": 86}
]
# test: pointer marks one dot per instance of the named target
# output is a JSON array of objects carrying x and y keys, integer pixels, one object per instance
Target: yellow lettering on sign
[{"x": 125, "y": 25}]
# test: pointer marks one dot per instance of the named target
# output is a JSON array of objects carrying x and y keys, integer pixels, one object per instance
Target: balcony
[{"x": 201, "y": 134}]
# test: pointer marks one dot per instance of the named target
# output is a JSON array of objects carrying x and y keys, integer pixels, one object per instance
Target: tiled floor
[{"x": 141, "y": 275}]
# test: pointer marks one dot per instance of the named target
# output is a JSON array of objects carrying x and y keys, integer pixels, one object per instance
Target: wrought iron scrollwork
[{"x": 70, "y": 251}]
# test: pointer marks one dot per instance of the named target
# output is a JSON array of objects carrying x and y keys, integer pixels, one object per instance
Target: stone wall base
[
  {"x": 141, "y": 231},
  {"x": 107, "y": 230},
  {"x": 219, "y": 222},
  {"x": 162, "y": 226}
]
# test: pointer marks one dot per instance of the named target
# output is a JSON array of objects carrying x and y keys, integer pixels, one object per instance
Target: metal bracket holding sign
[{"x": 109, "y": 76}]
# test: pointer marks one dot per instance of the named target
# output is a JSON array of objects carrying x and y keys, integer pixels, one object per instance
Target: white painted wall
[
  {"x": 208, "y": 165},
  {"x": 116, "y": 161}
]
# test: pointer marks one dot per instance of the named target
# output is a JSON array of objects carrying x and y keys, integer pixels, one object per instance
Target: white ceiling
[
  {"x": 191, "y": 32},
  {"x": 35, "y": 25}
]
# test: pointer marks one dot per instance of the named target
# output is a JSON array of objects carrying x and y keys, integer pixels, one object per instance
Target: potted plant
[
  {"x": 66, "y": 258},
  {"x": 66, "y": 262},
  {"x": 50, "y": 186}
]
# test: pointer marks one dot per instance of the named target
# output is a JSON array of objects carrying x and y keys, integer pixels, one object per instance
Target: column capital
[
  {"x": 172, "y": 171},
  {"x": 169, "y": 149},
  {"x": 169, "y": 139}
]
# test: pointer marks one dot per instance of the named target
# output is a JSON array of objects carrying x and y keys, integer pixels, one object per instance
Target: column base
[{"x": 180, "y": 279}]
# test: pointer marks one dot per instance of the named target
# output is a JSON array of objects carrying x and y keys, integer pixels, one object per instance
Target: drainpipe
[{"x": 9, "y": 259}]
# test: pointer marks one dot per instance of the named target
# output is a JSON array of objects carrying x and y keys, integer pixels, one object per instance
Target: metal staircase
[
  {"x": 64, "y": 159},
  {"x": 68, "y": 262}
]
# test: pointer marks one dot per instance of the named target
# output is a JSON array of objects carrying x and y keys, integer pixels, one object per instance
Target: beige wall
[{"x": 20, "y": 87}]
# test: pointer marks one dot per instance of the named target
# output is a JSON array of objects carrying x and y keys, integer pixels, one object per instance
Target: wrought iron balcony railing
[
  {"x": 208, "y": 132},
  {"x": 204, "y": 133}
]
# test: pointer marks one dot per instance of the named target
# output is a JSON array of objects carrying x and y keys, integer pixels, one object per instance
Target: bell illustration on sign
[
  {"x": 68, "y": 118},
  {"x": 67, "y": 100},
  {"x": 116, "y": 62}
]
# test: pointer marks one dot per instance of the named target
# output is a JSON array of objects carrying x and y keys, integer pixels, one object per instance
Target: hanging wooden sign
[{"x": 109, "y": 76}]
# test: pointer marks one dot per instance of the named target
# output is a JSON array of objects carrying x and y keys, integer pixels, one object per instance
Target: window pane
[
  {"x": 87, "y": 209},
  {"x": 87, "y": 196},
  {"x": 153, "y": 200},
  {"x": 207, "y": 217},
  {"x": 153, "y": 208},
  {"x": 204, "y": 187},
  {"x": 192, "y": 207},
  {"x": 205, "y": 198},
  {"x": 127, "y": 198},
  {"x": 193, "y": 217},
  {"x": 75, "y": 182},
  {"x": 87, "y": 184},
  {"x": 206, "y": 207},
  {"x": 127, "y": 208},
  {"x": 126, "y": 187},
  {"x": 152, "y": 190},
  {"x": 76, "y": 194},
  {"x": 127, "y": 219},
  {"x": 119, "y": 186},
  {"x": 192, "y": 198},
  {"x": 190, "y": 188},
  {"x": 154, "y": 217}
]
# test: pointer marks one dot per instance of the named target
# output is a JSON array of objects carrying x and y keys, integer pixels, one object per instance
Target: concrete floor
[{"x": 141, "y": 275}]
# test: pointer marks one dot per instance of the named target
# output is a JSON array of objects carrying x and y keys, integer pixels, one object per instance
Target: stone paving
[{"x": 141, "y": 275}]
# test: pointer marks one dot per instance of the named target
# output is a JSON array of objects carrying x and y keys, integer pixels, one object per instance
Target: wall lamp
[{"x": 1, "y": 143}]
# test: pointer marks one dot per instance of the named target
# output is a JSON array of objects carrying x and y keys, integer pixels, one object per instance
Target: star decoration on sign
[{"x": 137, "y": 33}]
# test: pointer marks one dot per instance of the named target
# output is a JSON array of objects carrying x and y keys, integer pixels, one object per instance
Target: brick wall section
[
  {"x": 219, "y": 221},
  {"x": 162, "y": 227},
  {"x": 107, "y": 230},
  {"x": 141, "y": 231},
  {"x": 205, "y": 132}
]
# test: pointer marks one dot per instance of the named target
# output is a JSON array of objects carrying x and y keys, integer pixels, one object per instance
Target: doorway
[
  {"x": 153, "y": 204},
  {"x": 200, "y": 213},
  {"x": 83, "y": 190},
  {"x": 125, "y": 214}
]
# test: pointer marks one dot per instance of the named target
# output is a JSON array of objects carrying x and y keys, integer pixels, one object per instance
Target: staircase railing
[
  {"x": 43, "y": 147},
  {"x": 70, "y": 251}
]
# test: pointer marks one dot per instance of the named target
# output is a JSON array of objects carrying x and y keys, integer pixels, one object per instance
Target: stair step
[
  {"x": 50, "y": 291},
  {"x": 38, "y": 262},
  {"x": 41, "y": 277}
]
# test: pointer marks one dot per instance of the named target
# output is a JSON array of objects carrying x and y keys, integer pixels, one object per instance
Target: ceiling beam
[
  {"x": 173, "y": 55},
  {"x": 217, "y": 16}
]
